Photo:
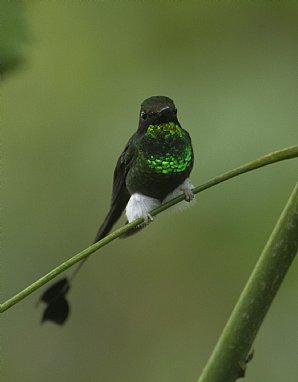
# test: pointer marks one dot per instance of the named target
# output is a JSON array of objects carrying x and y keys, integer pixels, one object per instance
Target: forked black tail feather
[{"x": 57, "y": 309}]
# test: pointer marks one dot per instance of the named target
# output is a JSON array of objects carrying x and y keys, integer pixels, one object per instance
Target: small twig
[{"x": 276, "y": 156}]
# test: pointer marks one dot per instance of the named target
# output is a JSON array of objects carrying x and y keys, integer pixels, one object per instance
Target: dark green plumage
[
  {"x": 141, "y": 167},
  {"x": 163, "y": 160},
  {"x": 157, "y": 159}
]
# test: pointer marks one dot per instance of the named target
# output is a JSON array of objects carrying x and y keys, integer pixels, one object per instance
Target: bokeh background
[{"x": 148, "y": 308}]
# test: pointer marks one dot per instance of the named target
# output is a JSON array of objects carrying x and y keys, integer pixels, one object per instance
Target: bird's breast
[
  {"x": 166, "y": 149},
  {"x": 164, "y": 160},
  {"x": 168, "y": 161}
]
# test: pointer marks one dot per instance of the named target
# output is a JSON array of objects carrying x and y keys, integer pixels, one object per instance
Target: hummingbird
[{"x": 153, "y": 168}]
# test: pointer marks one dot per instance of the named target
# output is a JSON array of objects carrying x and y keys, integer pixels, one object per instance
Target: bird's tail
[
  {"x": 57, "y": 309},
  {"x": 111, "y": 218}
]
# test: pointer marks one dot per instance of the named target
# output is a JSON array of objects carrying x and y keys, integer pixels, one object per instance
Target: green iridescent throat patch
[
  {"x": 167, "y": 129},
  {"x": 169, "y": 164}
]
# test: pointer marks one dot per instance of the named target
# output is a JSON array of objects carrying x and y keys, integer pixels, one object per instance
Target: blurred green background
[{"x": 151, "y": 307}]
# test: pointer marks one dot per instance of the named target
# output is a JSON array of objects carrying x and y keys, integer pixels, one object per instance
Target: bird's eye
[
  {"x": 175, "y": 110},
  {"x": 144, "y": 115}
]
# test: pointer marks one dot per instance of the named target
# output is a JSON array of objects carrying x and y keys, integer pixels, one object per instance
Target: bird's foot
[
  {"x": 186, "y": 187},
  {"x": 147, "y": 219},
  {"x": 189, "y": 195}
]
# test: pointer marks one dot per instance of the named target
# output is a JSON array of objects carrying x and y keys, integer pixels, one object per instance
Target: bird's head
[{"x": 157, "y": 110}]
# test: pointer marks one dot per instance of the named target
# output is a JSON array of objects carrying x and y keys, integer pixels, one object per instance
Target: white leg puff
[
  {"x": 139, "y": 206},
  {"x": 185, "y": 188}
]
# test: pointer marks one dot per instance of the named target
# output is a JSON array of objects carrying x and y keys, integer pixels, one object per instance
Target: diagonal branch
[
  {"x": 276, "y": 156},
  {"x": 231, "y": 353}
]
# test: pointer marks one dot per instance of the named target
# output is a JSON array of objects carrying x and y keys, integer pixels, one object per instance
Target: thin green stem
[
  {"x": 287, "y": 153},
  {"x": 228, "y": 360}
]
